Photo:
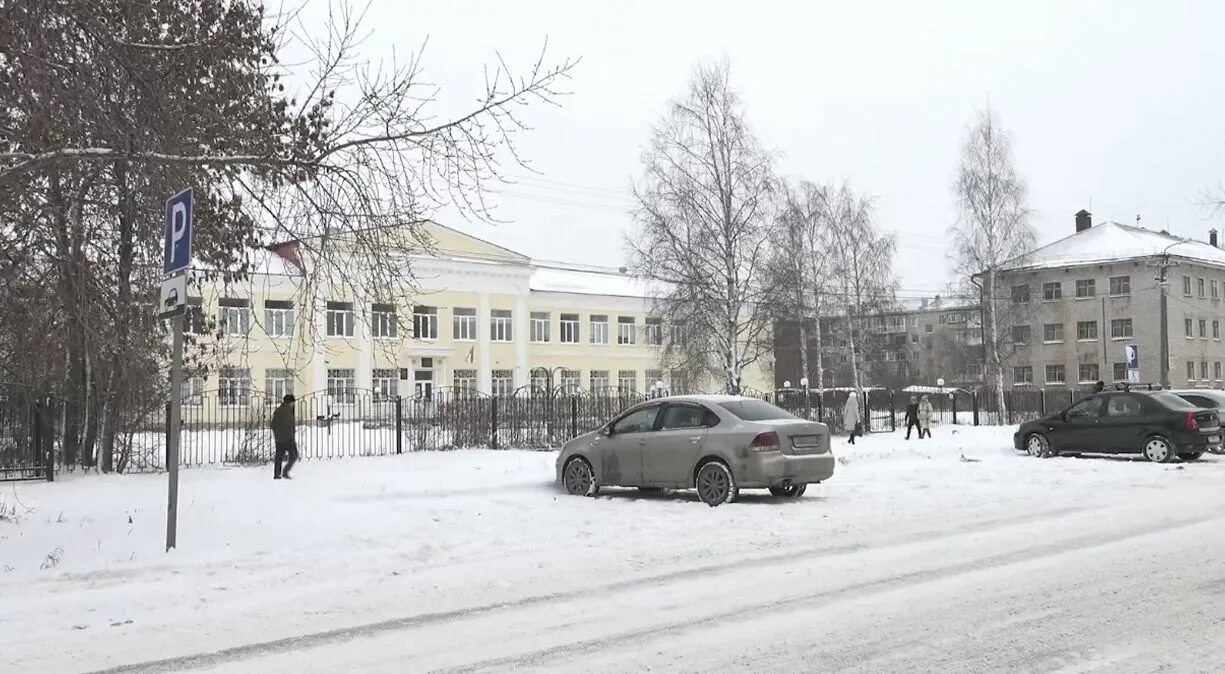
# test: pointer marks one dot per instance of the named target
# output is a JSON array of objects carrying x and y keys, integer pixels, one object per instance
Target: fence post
[
  {"x": 573, "y": 416},
  {"x": 1009, "y": 401},
  {"x": 974, "y": 402},
  {"x": 493, "y": 437},
  {"x": 953, "y": 399},
  {"x": 821, "y": 407},
  {"x": 892, "y": 412},
  {"x": 399, "y": 425},
  {"x": 1041, "y": 403}
]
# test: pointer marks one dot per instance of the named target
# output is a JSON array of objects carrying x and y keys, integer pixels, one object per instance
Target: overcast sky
[{"x": 1114, "y": 106}]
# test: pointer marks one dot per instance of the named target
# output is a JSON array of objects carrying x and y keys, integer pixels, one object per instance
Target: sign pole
[{"x": 172, "y": 441}]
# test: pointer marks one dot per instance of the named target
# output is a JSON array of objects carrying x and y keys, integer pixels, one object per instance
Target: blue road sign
[
  {"x": 178, "y": 233},
  {"x": 1133, "y": 356}
]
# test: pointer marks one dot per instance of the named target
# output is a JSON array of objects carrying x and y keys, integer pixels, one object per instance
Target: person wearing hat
[{"x": 284, "y": 433}]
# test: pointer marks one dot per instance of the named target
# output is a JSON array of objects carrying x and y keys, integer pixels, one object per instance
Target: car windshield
[
  {"x": 756, "y": 410},
  {"x": 1173, "y": 402}
]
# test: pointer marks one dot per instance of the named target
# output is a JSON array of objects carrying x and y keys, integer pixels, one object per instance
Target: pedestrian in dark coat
[
  {"x": 912, "y": 417},
  {"x": 284, "y": 433},
  {"x": 1099, "y": 386}
]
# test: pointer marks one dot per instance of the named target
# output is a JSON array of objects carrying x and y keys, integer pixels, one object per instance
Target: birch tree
[
  {"x": 704, "y": 215},
  {"x": 801, "y": 267},
  {"x": 862, "y": 259},
  {"x": 993, "y": 229}
]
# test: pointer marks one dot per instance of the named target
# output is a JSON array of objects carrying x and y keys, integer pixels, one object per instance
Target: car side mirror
[{"x": 608, "y": 431}]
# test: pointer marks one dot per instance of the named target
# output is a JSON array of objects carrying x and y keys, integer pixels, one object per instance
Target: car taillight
[
  {"x": 765, "y": 442},
  {"x": 1192, "y": 425}
]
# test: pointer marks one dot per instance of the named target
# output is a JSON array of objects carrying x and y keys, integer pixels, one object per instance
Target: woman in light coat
[
  {"x": 851, "y": 418},
  {"x": 925, "y": 417}
]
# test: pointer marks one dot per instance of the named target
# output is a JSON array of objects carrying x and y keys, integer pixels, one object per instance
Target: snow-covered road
[{"x": 911, "y": 559}]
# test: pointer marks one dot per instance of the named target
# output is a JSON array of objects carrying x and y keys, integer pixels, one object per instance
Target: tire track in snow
[
  {"x": 323, "y": 638},
  {"x": 814, "y": 600}
]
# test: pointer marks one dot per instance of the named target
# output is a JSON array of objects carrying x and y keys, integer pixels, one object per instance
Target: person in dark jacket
[
  {"x": 912, "y": 417},
  {"x": 1099, "y": 386},
  {"x": 284, "y": 433}
]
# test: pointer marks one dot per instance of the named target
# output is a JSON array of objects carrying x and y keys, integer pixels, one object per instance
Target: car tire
[
  {"x": 578, "y": 478},
  {"x": 1190, "y": 456},
  {"x": 1217, "y": 450},
  {"x": 1037, "y": 446},
  {"x": 1158, "y": 449},
  {"x": 715, "y": 484},
  {"x": 790, "y": 491}
]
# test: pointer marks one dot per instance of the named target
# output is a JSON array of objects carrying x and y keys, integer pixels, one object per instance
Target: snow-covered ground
[{"x": 950, "y": 554}]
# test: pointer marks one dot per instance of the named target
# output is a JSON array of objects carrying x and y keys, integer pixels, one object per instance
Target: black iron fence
[{"x": 229, "y": 427}]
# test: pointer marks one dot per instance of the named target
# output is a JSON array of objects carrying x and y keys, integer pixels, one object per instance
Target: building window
[
  {"x": 340, "y": 319},
  {"x": 234, "y": 387},
  {"x": 1216, "y": 329},
  {"x": 1120, "y": 285},
  {"x": 1020, "y": 294},
  {"x": 500, "y": 328},
  {"x": 384, "y": 384},
  {"x": 463, "y": 324},
  {"x": 1088, "y": 372},
  {"x": 1190, "y": 370},
  {"x": 570, "y": 381},
  {"x": 1052, "y": 332},
  {"x": 599, "y": 380},
  {"x": 278, "y": 318},
  {"x": 278, "y": 383},
  {"x": 383, "y": 321},
  {"x": 927, "y": 327},
  {"x": 1021, "y": 334},
  {"x": 653, "y": 332},
  {"x": 1120, "y": 371},
  {"x": 1086, "y": 288},
  {"x": 1023, "y": 374},
  {"x": 1216, "y": 370},
  {"x": 1086, "y": 331},
  {"x": 425, "y": 322},
  {"x": 599, "y": 329},
  {"x": 1186, "y": 286},
  {"x": 914, "y": 339},
  {"x": 1120, "y": 328},
  {"x": 1055, "y": 374},
  {"x": 192, "y": 391},
  {"x": 235, "y": 316},
  {"x": 1215, "y": 289},
  {"x": 342, "y": 387},
  {"x": 1203, "y": 370},
  {"x": 540, "y": 326},
  {"x": 975, "y": 370},
  {"x": 1203, "y": 329},
  {"x": 502, "y": 384},
  {"x": 1052, "y": 291},
  {"x": 1199, "y": 285},
  {"x": 1188, "y": 327},
  {"x": 464, "y": 381},
  {"x": 627, "y": 381},
  {"x": 626, "y": 330},
  {"x": 569, "y": 328},
  {"x": 196, "y": 321}
]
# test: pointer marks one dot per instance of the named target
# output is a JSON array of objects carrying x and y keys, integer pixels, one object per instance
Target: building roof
[
  {"x": 583, "y": 280},
  {"x": 1112, "y": 242}
]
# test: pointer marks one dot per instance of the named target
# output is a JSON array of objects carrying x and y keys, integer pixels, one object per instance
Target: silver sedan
[{"x": 715, "y": 444}]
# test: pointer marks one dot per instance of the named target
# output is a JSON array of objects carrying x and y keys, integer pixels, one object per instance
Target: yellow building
[{"x": 482, "y": 318}]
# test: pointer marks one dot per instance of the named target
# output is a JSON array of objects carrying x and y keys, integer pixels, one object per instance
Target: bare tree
[
  {"x": 801, "y": 267},
  {"x": 993, "y": 229},
  {"x": 704, "y": 214},
  {"x": 862, "y": 258}
]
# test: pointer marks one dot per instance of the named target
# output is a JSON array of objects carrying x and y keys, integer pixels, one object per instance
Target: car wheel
[
  {"x": 715, "y": 484},
  {"x": 1037, "y": 446},
  {"x": 1190, "y": 456},
  {"x": 1157, "y": 449},
  {"x": 790, "y": 491},
  {"x": 578, "y": 478},
  {"x": 1218, "y": 450}
]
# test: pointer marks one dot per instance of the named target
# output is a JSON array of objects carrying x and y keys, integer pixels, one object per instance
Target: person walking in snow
[
  {"x": 925, "y": 417},
  {"x": 284, "y": 433},
  {"x": 912, "y": 417},
  {"x": 1099, "y": 386},
  {"x": 850, "y": 416}
]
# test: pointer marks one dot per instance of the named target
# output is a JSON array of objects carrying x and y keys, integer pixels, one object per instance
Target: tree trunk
[{"x": 991, "y": 343}]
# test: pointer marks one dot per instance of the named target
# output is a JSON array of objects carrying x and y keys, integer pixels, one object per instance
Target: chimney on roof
[
  {"x": 1084, "y": 220},
  {"x": 923, "y": 303},
  {"x": 1212, "y": 237}
]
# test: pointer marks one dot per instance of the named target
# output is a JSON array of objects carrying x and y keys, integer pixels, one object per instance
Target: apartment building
[
  {"x": 484, "y": 318},
  {"x": 1076, "y": 303},
  {"x": 915, "y": 342}
]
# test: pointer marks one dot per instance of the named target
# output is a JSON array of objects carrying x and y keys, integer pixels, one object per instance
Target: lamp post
[{"x": 807, "y": 406}]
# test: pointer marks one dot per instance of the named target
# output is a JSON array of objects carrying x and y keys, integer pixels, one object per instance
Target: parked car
[
  {"x": 1208, "y": 399},
  {"x": 717, "y": 445},
  {"x": 1159, "y": 425}
]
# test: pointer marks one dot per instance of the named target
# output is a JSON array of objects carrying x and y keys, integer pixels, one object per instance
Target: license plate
[
  {"x": 805, "y": 440},
  {"x": 1214, "y": 439}
]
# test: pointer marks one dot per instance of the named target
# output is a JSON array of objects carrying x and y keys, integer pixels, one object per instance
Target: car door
[
  {"x": 1080, "y": 427},
  {"x": 624, "y": 446},
  {"x": 1123, "y": 422},
  {"x": 673, "y": 449}
]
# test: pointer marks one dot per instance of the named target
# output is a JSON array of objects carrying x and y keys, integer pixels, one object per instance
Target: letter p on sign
[{"x": 178, "y": 232}]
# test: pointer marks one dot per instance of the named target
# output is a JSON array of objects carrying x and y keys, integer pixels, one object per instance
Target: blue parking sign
[{"x": 178, "y": 233}]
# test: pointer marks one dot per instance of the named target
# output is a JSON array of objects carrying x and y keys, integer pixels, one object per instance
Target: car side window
[
  {"x": 711, "y": 419},
  {"x": 682, "y": 416},
  {"x": 1086, "y": 409},
  {"x": 638, "y": 421},
  {"x": 1200, "y": 401},
  {"x": 1124, "y": 406}
]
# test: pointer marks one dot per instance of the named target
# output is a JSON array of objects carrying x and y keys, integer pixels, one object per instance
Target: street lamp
[{"x": 807, "y": 405}]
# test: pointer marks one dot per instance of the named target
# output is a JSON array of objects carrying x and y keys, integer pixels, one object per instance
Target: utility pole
[{"x": 1163, "y": 265}]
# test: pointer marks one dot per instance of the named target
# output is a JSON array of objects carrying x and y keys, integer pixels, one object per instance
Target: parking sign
[{"x": 178, "y": 233}]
